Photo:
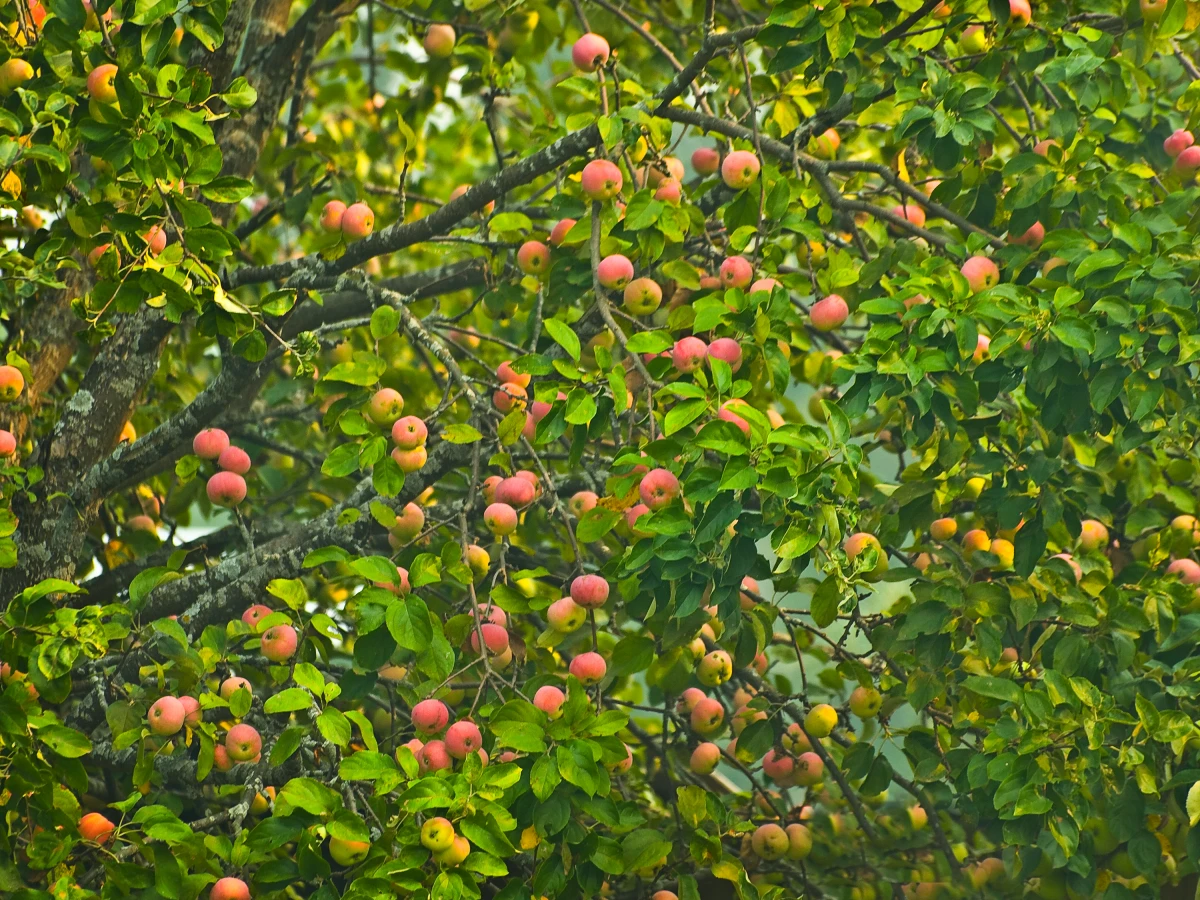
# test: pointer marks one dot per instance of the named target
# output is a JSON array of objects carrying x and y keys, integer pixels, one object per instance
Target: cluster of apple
[
  {"x": 409, "y": 434},
  {"x": 12, "y": 383},
  {"x": 439, "y": 838},
  {"x": 228, "y": 486},
  {"x": 353, "y": 222},
  {"x": 431, "y": 717},
  {"x": 1093, "y": 536}
]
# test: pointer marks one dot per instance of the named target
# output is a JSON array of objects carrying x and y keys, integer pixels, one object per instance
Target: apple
[
  {"x": 98, "y": 251},
  {"x": 565, "y": 615},
  {"x": 917, "y": 817},
  {"x": 642, "y": 296},
  {"x": 689, "y": 354},
  {"x": 549, "y": 700},
  {"x": 433, "y": 757},
  {"x": 279, "y": 643},
  {"x": 764, "y": 284},
  {"x": 156, "y": 240},
  {"x": 243, "y": 743},
  {"x": 1042, "y": 147},
  {"x": 100, "y": 83},
  {"x": 233, "y": 684},
  {"x": 210, "y": 443},
  {"x": 707, "y": 716},
  {"x": 1152, "y": 10},
  {"x": 385, "y": 407},
  {"x": 1032, "y": 237},
  {"x": 632, "y": 515},
  {"x": 409, "y": 432},
  {"x": 856, "y": 544},
  {"x": 981, "y": 273},
  {"x": 826, "y": 144},
  {"x": 658, "y": 489},
  {"x": 707, "y": 160},
  {"x": 1179, "y": 141},
  {"x": 500, "y": 519},
  {"x": 726, "y": 349},
  {"x": 439, "y": 40},
  {"x": 331, "y": 215},
  {"x": 495, "y": 638},
  {"x": 740, "y": 169},
  {"x": 221, "y": 760},
  {"x": 510, "y": 396},
  {"x": 1187, "y": 570},
  {"x": 229, "y": 889},
  {"x": 581, "y": 502},
  {"x": 226, "y": 489},
  {"x": 1093, "y": 535},
  {"x": 533, "y": 258},
  {"x": 601, "y": 180},
  {"x": 799, "y": 841},
  {"x": 96, "y": 827},
  {"x": 166, "y": 716},
  {"x": 865, "y": 702},
  {"x": 1004, "y": 551},
  {"x": 778, "y": 766},
  {"x": 462, "y": 189},
  {"x": 14, "y": 73},
  {"x": 437, "y": 834},
  {"x": 770, "y": 841},
  {"x": 820, "y": 720},
  {"x": 714, "y": 669},
  {"x": 589, "y": 591},
  {"x": 974, "y": 40},
  {"x": 975, "y": 540},
  {"x": 736, "y": 272},
  {"x": 463, "y": 738},
  {"x": 192, "y": 715},
  {"x": 911, "y": 213},
  {"x": 589, "y": 667},
  {"x": 982, "y": 344},
  {"x": 430, "y": 716},
  {"x": 1019, "y": 13},
  {"x": 669, "y": 191},
  {"x": 1188, "y": 160},
  {"x": 943, "y": 529},
  {"x": 590, "y": 52},
  {"x": 234, "y": 459},
  {"x": 8, "y": 443},
  {"x": 559, "y": 232},
  {"x": 614, "y": 272},
  {"x": 664, "y": 895},
  {"x": 705, "y": 758},
  {"x": 689, "y": 698},
  {"x": 453, "y": 855},
  {"x": 810, "y": 769},
  {"x": 31, "y": 218},
  {"x": 348, "y": 853},
  {"x": 516, "y": 492},
  {"x": 828, "y": 313},
  {"x": 12, "y": 382},
  {"x": 357, "y": 221}
]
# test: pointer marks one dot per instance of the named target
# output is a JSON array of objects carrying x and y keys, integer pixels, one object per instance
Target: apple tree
[{"x": 664, "y": 449}]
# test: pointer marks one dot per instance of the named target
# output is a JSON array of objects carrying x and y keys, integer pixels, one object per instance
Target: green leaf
[
  {"x": 289, "y": 700},
  {"x": 334, "y": 726},
  {"x": 643, "y": 848},
  {"x": 309, "y": 795},
  {"x": 65, "y": 741},
  {"x": 461, "y": 433},
  {"x": 595, "y": 524},
  {"x": 384, "y": 322},
  {"x": 510, "y": 221},
  {"x": 408, "y": 622},
  {"x": 240, "y": 94},
  {"x": 564, "y": 336},
  {"x": 1104, "y": 259},
  {"x": 366, "y": 765},
  {"x": 996, "y": 688}
]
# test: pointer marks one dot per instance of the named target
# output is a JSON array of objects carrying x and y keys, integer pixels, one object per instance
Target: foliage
[{"x": 1021, "y": 593}]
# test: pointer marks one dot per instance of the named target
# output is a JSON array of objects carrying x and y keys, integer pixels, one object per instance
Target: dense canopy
[{"x": 663, "y": 449}]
